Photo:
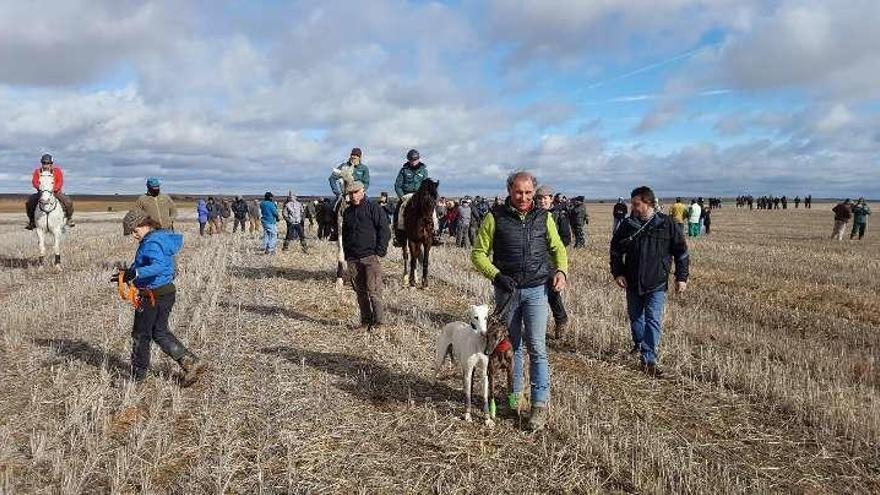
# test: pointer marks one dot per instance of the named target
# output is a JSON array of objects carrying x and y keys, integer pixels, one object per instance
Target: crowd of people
[
  {"x": 771, "y": 202},
  {"x": 518, "y": 242}
]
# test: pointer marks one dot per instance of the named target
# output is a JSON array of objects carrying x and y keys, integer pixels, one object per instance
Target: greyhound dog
[{"x": 472, "y": 345}]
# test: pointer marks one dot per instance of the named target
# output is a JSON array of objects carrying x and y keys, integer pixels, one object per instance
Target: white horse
[{"x": 49, "y": 218}]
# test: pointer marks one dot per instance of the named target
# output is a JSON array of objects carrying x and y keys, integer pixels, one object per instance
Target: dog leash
[{"x": 130, "y": 293}]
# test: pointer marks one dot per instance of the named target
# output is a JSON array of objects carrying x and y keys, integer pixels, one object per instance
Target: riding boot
[{"x": 436, "y": 241}]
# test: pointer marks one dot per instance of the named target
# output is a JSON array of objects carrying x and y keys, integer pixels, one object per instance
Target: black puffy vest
[{"x": 520, "y": 246}]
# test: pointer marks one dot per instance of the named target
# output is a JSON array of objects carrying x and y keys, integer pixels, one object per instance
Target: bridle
[{"x": 52, "y": 202}]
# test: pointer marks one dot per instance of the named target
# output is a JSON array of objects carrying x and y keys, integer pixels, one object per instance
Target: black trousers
[
  {"x": 557, "y": 306},
  {"x": 151, "y": 325},
  {"x": 238, "y": 221}
]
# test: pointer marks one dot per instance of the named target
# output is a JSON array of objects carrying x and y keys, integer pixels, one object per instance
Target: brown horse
[{"x": 418, "y": 222}]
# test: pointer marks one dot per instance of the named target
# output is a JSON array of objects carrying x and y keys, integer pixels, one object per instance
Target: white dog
[{"x": 468, "y": 342}]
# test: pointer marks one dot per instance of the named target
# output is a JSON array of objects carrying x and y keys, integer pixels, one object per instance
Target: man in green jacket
[
  {"x": 526, "y": 251},
  {"x": 409, "y": 180},
  {"x": 860, "y": 214},
  {"x": 160, "y": 207}
]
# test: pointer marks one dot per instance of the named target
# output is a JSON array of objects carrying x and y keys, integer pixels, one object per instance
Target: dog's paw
[
  {"x": 489, "y": 423},
  {"x": 467, "y": 417}
]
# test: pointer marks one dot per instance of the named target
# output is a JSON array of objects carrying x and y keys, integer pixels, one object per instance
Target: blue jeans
[
  {"x": 529, "y": 309},
  {"x": 645, "y": 320},
  {"x": 270, "y": 236}
]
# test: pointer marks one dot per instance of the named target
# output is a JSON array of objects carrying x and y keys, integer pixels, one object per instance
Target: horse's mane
[{"x": 420, "y": 209}]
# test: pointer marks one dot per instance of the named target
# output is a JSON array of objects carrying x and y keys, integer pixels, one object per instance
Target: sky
[{"x": 690, "y": 97}]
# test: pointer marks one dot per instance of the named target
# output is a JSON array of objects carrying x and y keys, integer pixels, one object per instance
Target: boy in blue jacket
[{"x": 152, "y": 274}]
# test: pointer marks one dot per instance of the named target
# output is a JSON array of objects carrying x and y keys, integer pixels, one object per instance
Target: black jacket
[
  {"x": 563, "y": 226},
  {"x": 620, "y": 210},
  {"x": 645, "y": 255},
  {"x": 240, "y": 209},
  {"x": 365, "y": 230}
]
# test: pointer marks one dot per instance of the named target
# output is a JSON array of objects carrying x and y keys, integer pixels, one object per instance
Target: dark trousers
[
  {"x": 238, "y": 221},
  {"x": 365, "y": 275},
  {"x": 580, "y": 235},
  {"x": 557, "y": 305},
  {"x": 295, "y": 231},
  {"x": 858, "y": 228},
  {"x": 33, "y": 199},
  {"x": 202, "y": 228},
  {"x": 151, "y": 325}
]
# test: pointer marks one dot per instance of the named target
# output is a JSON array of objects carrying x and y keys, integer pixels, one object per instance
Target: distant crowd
[{"x": 772, "y": 202}]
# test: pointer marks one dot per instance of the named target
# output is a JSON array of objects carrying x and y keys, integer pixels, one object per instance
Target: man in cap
[
  {"x": 544, "y": 199},
  {"x": 618, "y": 213},
  {"x": 293, "y": 216},
  {"x": 47, "y": 167},
  {"x": 842, "y": 215},
  {"x": 409, "y": 179},
  {"x": 365, "y": 235},
  {"x": 269, "y": 219},
  {"x": 860, "y": 218},
  {"x": 160, "y": 207}
]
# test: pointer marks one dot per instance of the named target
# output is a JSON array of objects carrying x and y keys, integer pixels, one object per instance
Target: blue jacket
[
  {"x": 202, "y": 210},
  {"x": 269, "y": 211},
  {"x": 154, "y": 260}
]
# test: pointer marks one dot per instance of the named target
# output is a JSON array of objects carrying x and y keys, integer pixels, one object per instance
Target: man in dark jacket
[
  {"x": 618, "y": 213},
  {"x": 560, "y": 216},
  {"x": 365, "y": 235},
  {"x": 240, "y": 211},
  {"x": 544, "y": 199},
  {"x": 579, "y": 220},
  {"x": 842, "y": 215},
  {"x": 642, "y": 249}
]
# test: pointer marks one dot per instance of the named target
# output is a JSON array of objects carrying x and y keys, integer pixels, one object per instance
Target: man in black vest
[
  {"x": 642, "y": 249},
  {"x": 526, "y": 252}
]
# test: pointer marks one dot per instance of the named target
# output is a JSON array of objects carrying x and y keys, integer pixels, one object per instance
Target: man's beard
[
  {"x": 153, "y": 192},
  {"x": 354, "y": 161}
]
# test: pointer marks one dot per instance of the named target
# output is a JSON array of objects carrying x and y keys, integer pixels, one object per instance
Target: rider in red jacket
[{"x": 46, "y": 164}]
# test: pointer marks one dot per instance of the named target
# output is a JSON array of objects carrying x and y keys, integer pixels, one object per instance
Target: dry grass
[{"x": 771, "y": 361}]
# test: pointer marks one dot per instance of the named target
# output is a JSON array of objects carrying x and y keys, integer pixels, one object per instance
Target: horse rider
[
  {"x": 518, "y": 248},
  {"x": 409, "y": 180},
  {"x": 347, "y": 172},
  {"x": 156, "y": 205},
  {"x": 47, "y": 166}
]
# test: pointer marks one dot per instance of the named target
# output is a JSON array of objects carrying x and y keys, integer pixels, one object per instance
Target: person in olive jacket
[{"x": 643, "y": 248}]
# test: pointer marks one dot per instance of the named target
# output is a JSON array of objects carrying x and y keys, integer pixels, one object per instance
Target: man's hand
[
  {"x": 127, "y": 276},
  {"x": 681, "y": 286},
  {"x": 559, "y": 281},
  {"x": 621, "y": 281},
  {"x": 504, "y": 282}
]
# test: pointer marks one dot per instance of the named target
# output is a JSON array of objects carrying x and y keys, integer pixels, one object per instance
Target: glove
[
  {"x": 504, "y": 282},
  {"x": 127, "y": 276}
]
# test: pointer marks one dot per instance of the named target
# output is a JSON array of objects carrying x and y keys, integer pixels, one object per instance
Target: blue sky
[{"x": 692, "y": 97}]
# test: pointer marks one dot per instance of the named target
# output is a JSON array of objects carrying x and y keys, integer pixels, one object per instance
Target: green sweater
[{"x": 486, "y": 235}]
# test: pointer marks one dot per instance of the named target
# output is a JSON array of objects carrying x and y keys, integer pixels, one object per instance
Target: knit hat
[
  {"x": 544, "y": 191},
  {"x": 153, "y": 183},
  {"x": 47, "y": 158},
  {"x": 132, "y": 220},
  {"x": 354, "y": 186},
  {"x": 412, "y": 155},
  {"x": 355, "y": 152}
]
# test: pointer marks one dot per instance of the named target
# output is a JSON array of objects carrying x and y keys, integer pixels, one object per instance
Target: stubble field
[{"x": 770, "y": 357}]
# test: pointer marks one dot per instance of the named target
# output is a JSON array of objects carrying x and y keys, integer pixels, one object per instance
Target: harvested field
[{"x": 771, "y": 374}]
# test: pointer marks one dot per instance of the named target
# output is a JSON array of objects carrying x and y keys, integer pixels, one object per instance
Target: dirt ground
[{"x": 771, "y": 377}]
